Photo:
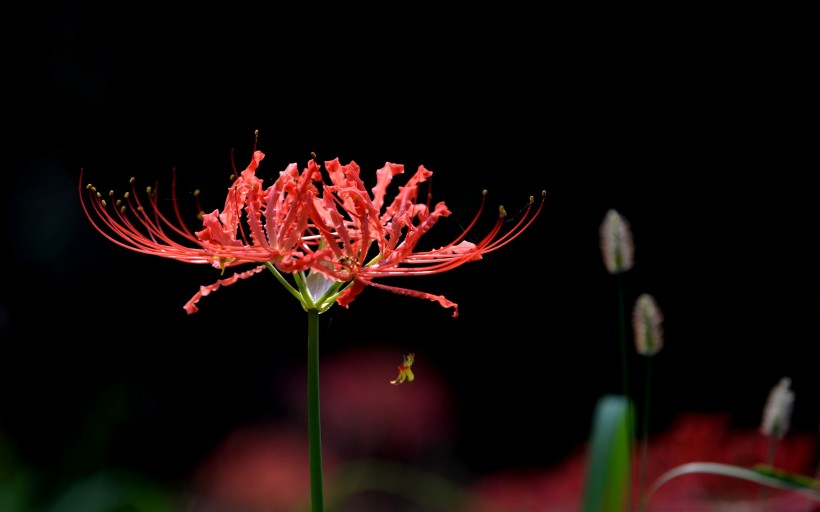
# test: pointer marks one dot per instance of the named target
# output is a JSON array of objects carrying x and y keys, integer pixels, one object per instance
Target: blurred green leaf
[
  {"x": 760, "y": 474},
  {"x": 16, "y": 492},
  {"x": 108, "y": 492},
  {"x": 609, "y": 465}
]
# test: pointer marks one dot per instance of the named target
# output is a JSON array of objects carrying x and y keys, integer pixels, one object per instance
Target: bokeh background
[{"x": 700, "y": 138}]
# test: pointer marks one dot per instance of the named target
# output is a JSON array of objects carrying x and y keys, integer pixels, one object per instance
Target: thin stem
[
  {"x": 284, "y": 281},
  {"x": 645, "y": 430},
  {"x": 314, "y": 418},
  {"x": 622, "y": 334},
  {"x": 624, "y": 367},
  {"x": 773, "y": 438}
]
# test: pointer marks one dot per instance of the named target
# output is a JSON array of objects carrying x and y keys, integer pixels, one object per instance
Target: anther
[
  {"x": 119, "y": 202},
  {"x": 89, "y": 186},
  {"x": 501, "y": 211},
  {"x": 122, "y": 209},
  {"x": 126, "y": 195},
  {"x": 110, "y": 193},
  {"x": 196, "y": 193},
  {"x": 532, "y": 199},
  {"x": 139, "y": 208},
  {"x": 148, "y": 190},
  {"x": 99, "y": 195},
  {"x": 484, "y": 193},
  {"x": 132, "y": 180},
  {"x": 103, "y": 202}
]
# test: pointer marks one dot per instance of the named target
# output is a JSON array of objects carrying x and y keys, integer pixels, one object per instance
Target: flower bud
[
  {"x": 646, "y": 323},
  {"x": 616, "y": 243},
  {"x": 778, "y": 411}
]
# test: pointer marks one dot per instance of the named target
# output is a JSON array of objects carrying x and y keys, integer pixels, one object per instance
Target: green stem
[
  {"x": 645, "y": 429},
  {"x": 625, "y": 371},
  {"x": 622, "y": 333},
  {"x": 314, "y": 418},
  {"x": 773, "y": 438}
]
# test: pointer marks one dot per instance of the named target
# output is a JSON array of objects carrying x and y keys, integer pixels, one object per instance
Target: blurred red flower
[
  {"x": 363, "y": 415},
  {"x": 693, "y": 437},
  {"x": 256, "y": 468}
]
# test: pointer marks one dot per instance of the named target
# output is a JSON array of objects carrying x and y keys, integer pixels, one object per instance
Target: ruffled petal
[
  {"x": 346, "y": 297},
  {"x": 190, "y": 306}
]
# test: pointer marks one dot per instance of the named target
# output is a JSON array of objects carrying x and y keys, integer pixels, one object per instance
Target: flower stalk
[
  {"x": 647, "y": 326},
  {"x": 314, "y": 415}
]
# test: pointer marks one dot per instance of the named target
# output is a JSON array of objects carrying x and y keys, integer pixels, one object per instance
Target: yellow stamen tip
[
  {"x": 501, "y": 211},
  {"x": 103, "y": 202},
  {"x": 196, "y": 193},
  {"x": 484, "y": 193},
  {"x": 132, "y": 180},
  {"x": 89, "y": 186},
  {"x": 148, "y": 190}
]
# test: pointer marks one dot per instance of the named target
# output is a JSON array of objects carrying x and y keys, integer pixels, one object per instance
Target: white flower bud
[
  {"x": 778, "y": 411},
  {"x": 646, "y": 324},
  {"x": 616, "y": 243}
]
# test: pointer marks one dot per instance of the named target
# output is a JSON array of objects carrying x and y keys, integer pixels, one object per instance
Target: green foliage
[{"x": 609, "y": 463}]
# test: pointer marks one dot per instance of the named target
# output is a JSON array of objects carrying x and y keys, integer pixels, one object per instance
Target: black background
[{"x": 701, "y": 136}]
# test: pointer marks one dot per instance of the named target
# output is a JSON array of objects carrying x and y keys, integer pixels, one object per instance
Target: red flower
[
  {"x": 258, "y": 467},
  {"x": 364, "y": 416},
  {"x": 343, "y": 238},
  {"x": 371, "y": 241},
  {"x": 693, "y": 437},
  {"x": 269, "y": 226}
]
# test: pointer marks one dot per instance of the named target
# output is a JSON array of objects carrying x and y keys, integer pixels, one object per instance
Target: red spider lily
[
  {"x": 354, "y": 223},
  {"x": 269, "y": 226},
  {"x": 290, "y": 227}
]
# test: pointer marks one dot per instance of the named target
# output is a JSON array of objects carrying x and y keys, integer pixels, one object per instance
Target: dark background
[{"x": 699, "y": 135}]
